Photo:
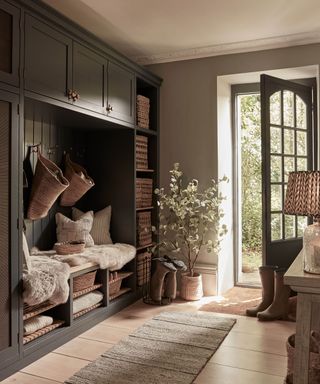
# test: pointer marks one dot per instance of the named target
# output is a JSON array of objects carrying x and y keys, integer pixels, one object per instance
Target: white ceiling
[{"x": 150, "y": 31}]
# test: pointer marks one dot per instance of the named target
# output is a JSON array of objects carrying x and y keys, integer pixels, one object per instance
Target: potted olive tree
[{"x": 189, "y": 222}]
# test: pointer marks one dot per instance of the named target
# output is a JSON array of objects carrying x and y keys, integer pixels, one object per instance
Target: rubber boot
[
  {"x": 267, "y": 282},
  {"x": 279, "y": 308},
  {"x": 170, "y": 290},
  {"x": 157, "y": 279}
]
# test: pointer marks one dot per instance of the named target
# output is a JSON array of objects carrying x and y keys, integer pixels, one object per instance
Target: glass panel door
[{"x": 286, "y": 118}]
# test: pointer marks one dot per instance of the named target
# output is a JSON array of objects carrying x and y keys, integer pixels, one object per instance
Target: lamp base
[{"x": 311, "y": 248}]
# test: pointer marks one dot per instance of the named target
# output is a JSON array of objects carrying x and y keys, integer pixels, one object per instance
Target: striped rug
[{"x": 171, "y": 348}]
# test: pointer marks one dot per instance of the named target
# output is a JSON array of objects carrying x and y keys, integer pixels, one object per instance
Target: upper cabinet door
[
  {"x": 9, "y": 43},
  {"x": 120, "y": 93},
  {"x": 47, "y": 60},
  {"x": 89, "y": 73}
]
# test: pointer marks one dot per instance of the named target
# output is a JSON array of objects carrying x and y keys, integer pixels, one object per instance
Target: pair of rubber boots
[
  {"x": 164, "y": 279},
  {"x": 275, "y": 295}
]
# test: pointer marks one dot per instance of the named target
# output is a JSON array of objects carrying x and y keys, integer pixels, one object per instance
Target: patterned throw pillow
[
  {"x": 79, "y": 230},
  {"x": 100, "y": 231}
]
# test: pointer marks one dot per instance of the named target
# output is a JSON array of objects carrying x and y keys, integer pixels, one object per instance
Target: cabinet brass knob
[{"x": 109, "y": 108}]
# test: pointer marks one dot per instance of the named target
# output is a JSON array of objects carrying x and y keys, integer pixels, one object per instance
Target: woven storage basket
[
  {"x": 84, "y": 281},
  {"x": 144, "y": 229},
  {"x": 143, "y": 268},
  {"x": 144, "y": 192},
  {"x": 79, "y": 181},
  {"x": 314, "y": 359},
  {"x": 69, "y": 248},
  {"x": 114, "y": 286},
  {"x": 141, "y": 152},
  {"x": 47, "y": 184}
]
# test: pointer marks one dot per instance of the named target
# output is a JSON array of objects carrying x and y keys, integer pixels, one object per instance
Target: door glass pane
[
  {"x": 276, "y": 168},
  {"x": 301, "y": 113},
  {"x": 275, "y": 108},
  {"x": 5, "y": 42},
  {"x": 276, "y": 197},
  {"x": 275, "y": 140},
  {"x": 276, "y": 226},
  {"x": 290, "y": 226},
  {"x": 288, "y": 114},
  {"x": 288, "y": 167},
  {"x": 302, "y": 222},
  {"x": 288, "y": 141},
  {"x": 301, "y": 143},
  {"x": 302, "y": 164}
]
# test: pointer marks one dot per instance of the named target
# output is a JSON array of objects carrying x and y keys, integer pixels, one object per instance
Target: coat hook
[
  {"x": 53, "y": 149},
  {"x": 35, "y": 147}
]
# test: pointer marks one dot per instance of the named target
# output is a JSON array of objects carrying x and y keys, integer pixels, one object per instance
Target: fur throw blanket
[
  {"x": 47, "y": 279},
  {"x": 112, "y": 256}
]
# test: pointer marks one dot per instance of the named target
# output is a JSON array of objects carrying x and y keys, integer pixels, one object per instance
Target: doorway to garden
[
  {"x": 247, "y": 120},
  {"x": 274, "y": 135}
]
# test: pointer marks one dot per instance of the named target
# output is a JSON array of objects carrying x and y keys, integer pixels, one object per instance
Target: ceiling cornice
[{"x": 230, "y": 48}]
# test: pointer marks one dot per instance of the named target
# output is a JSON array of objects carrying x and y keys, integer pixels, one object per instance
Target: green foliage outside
[{"x": 251, "y": 187}]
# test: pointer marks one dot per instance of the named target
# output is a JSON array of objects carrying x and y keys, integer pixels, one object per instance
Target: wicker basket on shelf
[
  {"x": 144, "y": 228},
  {"x": 84, "y": 281},
  {"x": 141, "y": 152},
  {"x": 143, "y": 111},
  {"x": 144, "y": 189},
  {"x": 69, "y": 247}
]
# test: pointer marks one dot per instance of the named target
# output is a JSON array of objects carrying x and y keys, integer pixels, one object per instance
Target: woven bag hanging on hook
[
  {"x": 47, "y": 185},
  {"x": 80, "y": 183}
]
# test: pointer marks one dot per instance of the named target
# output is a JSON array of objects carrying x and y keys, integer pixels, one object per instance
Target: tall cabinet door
[
  {"x": 9, "y": 43},
  {"x": 48, "y": 56},
  {"x": 9, "y": 238},
  {"x": 120, "y": 93}
]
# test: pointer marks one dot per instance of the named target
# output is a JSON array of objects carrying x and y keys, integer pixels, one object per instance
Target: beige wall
[{"x": 189, "y": 106}]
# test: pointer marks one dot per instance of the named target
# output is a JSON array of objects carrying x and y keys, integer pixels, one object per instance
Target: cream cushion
[
  {"x": 79, "y": 230},
  {"x": 86, "y": 301},
  {"x": 100, "y": 231},
  {"x": 35, "y": 323}
]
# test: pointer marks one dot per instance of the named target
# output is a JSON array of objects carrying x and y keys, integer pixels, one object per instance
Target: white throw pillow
[
  {"x": 87, "y": 301},
  {"x": 79, "y": 230},
  {"x": 100, "y": 231}
]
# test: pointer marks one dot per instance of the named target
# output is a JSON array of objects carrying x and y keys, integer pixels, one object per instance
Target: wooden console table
[{"x": 308, "y": 314}]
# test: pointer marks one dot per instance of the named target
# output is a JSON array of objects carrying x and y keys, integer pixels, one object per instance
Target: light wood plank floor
[{"x": 253, "y": 352}]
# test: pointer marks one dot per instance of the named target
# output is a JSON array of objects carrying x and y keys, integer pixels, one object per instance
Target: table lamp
[{"x": 303, "y": 199}]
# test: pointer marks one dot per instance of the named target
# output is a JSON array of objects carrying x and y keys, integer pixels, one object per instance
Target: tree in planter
[{"x": 190, "y": 218}]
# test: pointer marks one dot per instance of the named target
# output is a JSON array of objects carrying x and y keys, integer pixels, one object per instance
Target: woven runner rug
[{"x": 172, "y": 348}]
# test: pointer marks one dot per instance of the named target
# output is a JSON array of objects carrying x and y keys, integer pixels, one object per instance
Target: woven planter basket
[
  {"x": 84, "y": 281},
  {"x": 191, "y": 287},
  {"x": 79, "y": 181},
  {"x": 47, "y": 184},
  {"x": 314, "y": 359}
]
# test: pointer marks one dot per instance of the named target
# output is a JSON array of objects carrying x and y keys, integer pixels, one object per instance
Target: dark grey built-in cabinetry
[{"x": 66, "y": 91}]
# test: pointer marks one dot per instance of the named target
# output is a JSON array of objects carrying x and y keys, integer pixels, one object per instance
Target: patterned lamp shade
[{"x": 303, "y": 194}]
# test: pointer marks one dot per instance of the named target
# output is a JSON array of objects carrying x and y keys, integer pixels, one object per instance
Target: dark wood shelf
[
  {"x": 146, "y": 246},
  {"x": 120, "y": 293},
  {"x": 145, "y": 170},
  {"x": 87, "y": 290},
  {"x": 35, "y": 310},
  {"x": 146, "y": 131},
  {"x": 145, "y": 208}
]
